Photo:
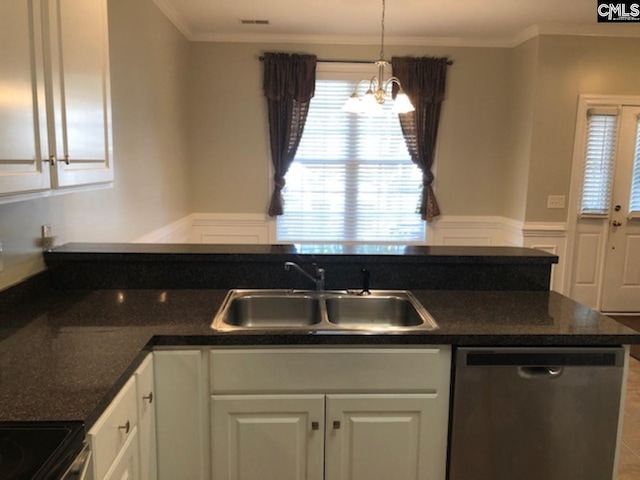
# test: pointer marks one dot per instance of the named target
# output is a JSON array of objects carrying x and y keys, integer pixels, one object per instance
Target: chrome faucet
[{"x": 318, "y": 279}]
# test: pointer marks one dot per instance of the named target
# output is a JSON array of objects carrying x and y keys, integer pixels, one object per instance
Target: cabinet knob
[
  {"x": 315, "y": 425},
  {"x": 126, "y": 427},
  {"x": 336, "y": 424},
  {"x": 617, "y": 223},
  {"x": 66, "y": 160},
  {"x": 52, "y": 160},
  {"x": 148, "y": 397}
]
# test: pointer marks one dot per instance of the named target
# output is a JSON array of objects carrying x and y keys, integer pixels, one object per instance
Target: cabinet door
[
  {"x": 111, "y": 434},
  {"x": 267, "y": 437},
  {"x": 146, "y": 419},
  {"x": 80, "y": 134},
  {"x": 382, "y": 437},
  {"x": 127, "y": 464},
  {"x": 23, "y": 123},
  {"x": 180, "y": 412}
]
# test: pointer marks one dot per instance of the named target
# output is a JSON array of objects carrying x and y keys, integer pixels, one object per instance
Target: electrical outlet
[
  {"x": 555, "y": 201},
  {"x": 1, "y": 259},
  {"x": 48, "y": 240}
]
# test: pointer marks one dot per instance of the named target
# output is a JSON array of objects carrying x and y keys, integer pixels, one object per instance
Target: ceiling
[{"x": 408, "y": 22}]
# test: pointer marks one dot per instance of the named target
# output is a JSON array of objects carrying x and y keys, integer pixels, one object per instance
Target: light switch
[{"x": 555, "y": 201}]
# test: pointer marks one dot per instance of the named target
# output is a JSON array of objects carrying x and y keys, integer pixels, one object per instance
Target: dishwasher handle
[
  {"x": 540, "y": 372},
  {"x": 547, "y": 357}
]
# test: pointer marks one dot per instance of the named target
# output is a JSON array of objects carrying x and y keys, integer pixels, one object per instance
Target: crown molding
[
  {"x": 174, "y": 17},
  {"x": 354, "y": 40}
]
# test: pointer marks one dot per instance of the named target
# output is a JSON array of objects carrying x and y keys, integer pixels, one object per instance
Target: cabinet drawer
[
  {"x": 110, "y": 433},
  {"x": 329, "y": 370}
]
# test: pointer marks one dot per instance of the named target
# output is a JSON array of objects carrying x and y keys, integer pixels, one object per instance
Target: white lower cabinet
[
  {"x": 259, "y": 437},
  {"x": 123, "y": 439},
  {"x": 375, "y": 414},
  {"x": 381, "y": 437},
  {"x": 362, "y": 437},
  {"x": 113, "y": 438},
  {"x": 182, "y": 415},
  {"x": 127, "y": 464}
]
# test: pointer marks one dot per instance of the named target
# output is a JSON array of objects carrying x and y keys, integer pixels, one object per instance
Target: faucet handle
[{"x": 366, "y": 274}]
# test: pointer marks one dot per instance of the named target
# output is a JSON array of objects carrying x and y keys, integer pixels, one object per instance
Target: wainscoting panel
[
  {"x": 231, "y": 228},
  {"x": 474, "y": 231},
  {"x": 550, "y": 237}
]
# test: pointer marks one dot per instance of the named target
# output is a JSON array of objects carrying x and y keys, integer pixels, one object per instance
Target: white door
[
  {"x": 23, "y": 123},
  {"x": 267, "y": 437},
  {"x": 621, "y": 286},
  {"x": 80, "y": 135},
  {"x": 383, "y": 437}
]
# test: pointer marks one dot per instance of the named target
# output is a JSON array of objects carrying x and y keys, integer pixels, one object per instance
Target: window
[
  {"x": 634, "y": 201},
  {"x": 352, "y": 180},
  {"x": 602, "y": 132}
]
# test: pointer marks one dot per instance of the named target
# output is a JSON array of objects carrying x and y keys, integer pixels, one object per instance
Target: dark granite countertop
[
  {"x": 64, "y": 356},
  {"x": 280, "y": 253}
]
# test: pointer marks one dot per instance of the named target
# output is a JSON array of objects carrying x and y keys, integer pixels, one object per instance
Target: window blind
[
  {"x": 634, "y": 200},
  {"x": 602, "y": 132},
  {"x": 352, "y": 179}
]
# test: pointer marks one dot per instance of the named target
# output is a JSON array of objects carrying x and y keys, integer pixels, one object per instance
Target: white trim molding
[
  {"x": 236, "y": 228},
  {"x": 175, "y": 232},
  {"x": 474, "y": 230},
  {"x": 550, "y": 237}
]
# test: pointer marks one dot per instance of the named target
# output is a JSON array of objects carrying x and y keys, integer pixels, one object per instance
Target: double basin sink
[{"x": 280, "y": 310}]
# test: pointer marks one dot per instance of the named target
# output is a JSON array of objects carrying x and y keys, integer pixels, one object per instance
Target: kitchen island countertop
[{"x": 65, "y": 356}]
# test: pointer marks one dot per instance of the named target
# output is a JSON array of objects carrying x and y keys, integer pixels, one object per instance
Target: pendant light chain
[
  {"x": 382, "y": 28},
  {"x": 377, "y": 93}
]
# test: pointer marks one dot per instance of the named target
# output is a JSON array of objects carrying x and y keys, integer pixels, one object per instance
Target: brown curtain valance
[
  {"x": 423, "y": 80},
  {"x": 289, "y": 84}
]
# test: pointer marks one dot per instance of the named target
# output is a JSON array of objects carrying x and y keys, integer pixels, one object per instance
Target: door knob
[{"x": 616, "y": 223}]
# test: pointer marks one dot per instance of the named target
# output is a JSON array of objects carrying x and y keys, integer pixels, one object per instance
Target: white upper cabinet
[
  {"x": 55, "y": 106},
  {"x": 23, "y": 122},
  {"x": 80, "y": 133}
]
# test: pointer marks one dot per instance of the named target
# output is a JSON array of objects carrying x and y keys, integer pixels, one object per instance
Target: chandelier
[{"x": 376, "y": 95}]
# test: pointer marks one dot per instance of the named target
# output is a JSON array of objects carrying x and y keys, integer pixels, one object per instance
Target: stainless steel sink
[
  {"x": 263, "y": 310},
  {"x": 286, "y": 310},
  {"x": 372, "y": 311}
]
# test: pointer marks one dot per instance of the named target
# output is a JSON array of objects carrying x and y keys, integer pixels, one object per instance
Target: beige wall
[
  {"x": 569, "y": 66},
  {"x": 523, "y": 74},
  {"x": 229, "y": 132},
  {"x": 149, "y": 67}
]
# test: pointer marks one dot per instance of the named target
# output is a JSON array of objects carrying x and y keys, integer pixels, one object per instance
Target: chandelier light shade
[{"x": 376, "y": 94}]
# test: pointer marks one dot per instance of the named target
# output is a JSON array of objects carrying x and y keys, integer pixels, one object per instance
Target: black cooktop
[{"x": 38, "y": 450}]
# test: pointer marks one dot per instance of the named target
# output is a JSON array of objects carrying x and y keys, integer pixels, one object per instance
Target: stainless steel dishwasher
[{"x": 535, "y": 413}]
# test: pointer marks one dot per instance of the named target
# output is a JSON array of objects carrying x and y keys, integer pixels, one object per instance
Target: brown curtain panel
[
  {"x": 289, "y": 85},
  {"x": 423, "y": 80}
]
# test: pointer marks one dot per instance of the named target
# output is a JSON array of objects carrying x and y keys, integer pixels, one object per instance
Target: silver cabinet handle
[
  {"x": 126, "y": 427},
  {"x": 148, "y": 397},
  {"x": 52, "y": 160},
  {"x": 315, "y": 426},
  {"x": 336, "y": 424},
  {"x": 66, "y": 160}
]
